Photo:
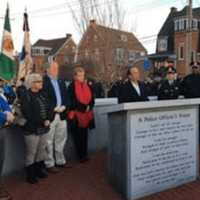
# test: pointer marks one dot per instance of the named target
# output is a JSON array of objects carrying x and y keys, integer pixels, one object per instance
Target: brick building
[
  {"x": 106, "y": 52},
  {"x": 63, "y": 49},
  {"x": 172, "y": 40}
]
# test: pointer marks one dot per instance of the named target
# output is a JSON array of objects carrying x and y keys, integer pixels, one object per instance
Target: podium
[{"x": 153, "y": 146}]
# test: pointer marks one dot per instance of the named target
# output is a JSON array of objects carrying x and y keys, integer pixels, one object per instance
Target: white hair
[{"x": 32, "y": 78}]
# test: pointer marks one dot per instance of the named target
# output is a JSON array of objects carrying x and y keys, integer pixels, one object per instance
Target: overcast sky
[{"x": 143, "y": 17}]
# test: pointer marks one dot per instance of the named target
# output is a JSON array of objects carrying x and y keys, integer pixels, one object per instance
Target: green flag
[{"x": 7, "y": 60}]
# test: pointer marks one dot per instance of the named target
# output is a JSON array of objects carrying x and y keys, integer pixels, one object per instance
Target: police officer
[
  {"x": 169, "y": 89},
  {"x": 190, "y": 85}
]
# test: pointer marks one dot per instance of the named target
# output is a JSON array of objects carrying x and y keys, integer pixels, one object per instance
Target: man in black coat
[
  {"x": 57, "y": 94},
  {"x": 133, "y": 90},
  {"x": 190, "y": 85}
]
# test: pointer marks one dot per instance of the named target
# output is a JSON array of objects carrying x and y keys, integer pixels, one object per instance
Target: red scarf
[
  {"x": 84, "y": 96},
  {"x": 83, "y": 92}
]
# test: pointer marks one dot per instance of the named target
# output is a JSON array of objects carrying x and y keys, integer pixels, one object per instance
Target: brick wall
[{"x": 180, "y": 39}]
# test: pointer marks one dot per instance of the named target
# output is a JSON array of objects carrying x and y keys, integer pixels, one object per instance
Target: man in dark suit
[
  {"x": 133, "y": 90},
  {"x": 57, "y": 94}
]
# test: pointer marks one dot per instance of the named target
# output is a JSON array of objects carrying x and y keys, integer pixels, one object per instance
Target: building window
[
  {"x": 181, "y": 24},
  {"x": 199, "y": 24},
  {"x": 181, "y": 52},
  {"x": 86, "y": 53},
  {"x": 37, "y": 51},
  {"x": 73, "y": 49},
  {"x": 119, "y": 55},
  {"x": 176, "y": 25},
  {"x": 185, "y": 24},
  {"x": 124, "y": 38},
  {"x": 95, "y": 38},
  {"x": 198, "y": 57},
  {"x": 46, "y": 51},
  {"x": 194, "y": 24},
  {"x": 96, "y": 53},
  {"x": 162, "y": 44},
  {"x": 193, "y": 56},
  {"x": 131, "y": 56}
]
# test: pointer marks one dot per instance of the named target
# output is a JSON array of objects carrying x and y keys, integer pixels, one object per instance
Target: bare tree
[{"x": 106, "y": 12}]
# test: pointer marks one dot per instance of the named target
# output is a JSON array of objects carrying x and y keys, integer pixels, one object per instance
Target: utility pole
[{"x": 189, "y": 37}]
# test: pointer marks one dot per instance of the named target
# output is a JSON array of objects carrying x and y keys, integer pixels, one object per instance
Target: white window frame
[
  {"x": 176, "y": 25},
  {"x": 198, "y": 57},
  {"x": 119, "y": 56},
  {"x": 162, "y": 44}
]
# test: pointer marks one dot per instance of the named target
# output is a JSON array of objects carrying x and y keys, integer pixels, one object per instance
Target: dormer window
[
  {"x": 183, "y": 24},
  {"x": 124, "y": 38}
]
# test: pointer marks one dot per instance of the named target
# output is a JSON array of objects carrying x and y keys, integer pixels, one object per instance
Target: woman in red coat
[{"x": 81, "y": 115}]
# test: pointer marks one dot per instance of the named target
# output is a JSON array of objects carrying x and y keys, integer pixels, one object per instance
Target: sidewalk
[{"x": 88, "y": 182}]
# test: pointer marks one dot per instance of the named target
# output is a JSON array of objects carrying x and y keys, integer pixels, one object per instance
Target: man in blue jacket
[
  {"x": 56, "y": 92},
  {"x": 6, "y": 118}
]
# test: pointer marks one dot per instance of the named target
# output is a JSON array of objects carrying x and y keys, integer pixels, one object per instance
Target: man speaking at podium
[{"x": 133, "y": 89}]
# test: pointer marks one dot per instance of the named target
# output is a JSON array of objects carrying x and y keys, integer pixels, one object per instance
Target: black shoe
[
  {"x": 41, "y": 171},
  {"x": 66, "y": 165},
  {"x": 31, "y": 174},
  {"x": 83, "y": 160}
]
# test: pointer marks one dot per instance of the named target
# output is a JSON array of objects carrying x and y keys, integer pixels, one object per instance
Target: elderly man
[
  {"x": 133, "y": 90},
  {"x": 6, "y": 118},
  {"x": 57, "y": 94}
]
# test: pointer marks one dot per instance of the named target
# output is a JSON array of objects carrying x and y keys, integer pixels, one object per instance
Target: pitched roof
[
  {"x": 183, "y": 12},
  {"x": 54, "y": 44},
  {"x": 168, "y": 27},
  {"x": 114, "y": 36}
]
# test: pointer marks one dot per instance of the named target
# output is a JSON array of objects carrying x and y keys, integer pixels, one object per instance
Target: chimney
[
  {"x": 173, "y": 9},
  {"x": 68, "y": 35},
  {"x": 93, "y": 22}
]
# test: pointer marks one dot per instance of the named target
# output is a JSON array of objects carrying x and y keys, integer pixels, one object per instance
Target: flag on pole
[
  {"x": 26, "y": 63},
  {"x": 7, "y": 60}
]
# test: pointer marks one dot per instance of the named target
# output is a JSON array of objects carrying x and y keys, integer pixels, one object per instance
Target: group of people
[
  {"x": 48, "y": 110},
  {"x": 169, "y": 87}
]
